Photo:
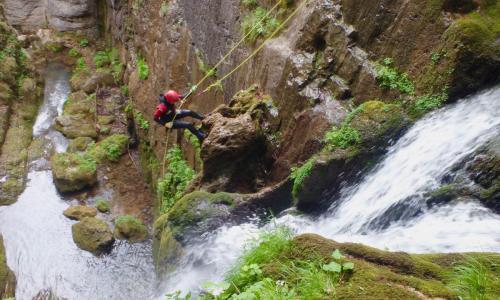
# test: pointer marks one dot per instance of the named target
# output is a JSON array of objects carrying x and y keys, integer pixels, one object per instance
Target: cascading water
[
  {"x": 38, "y": 239},
  {"x": 387, "y": 209}
]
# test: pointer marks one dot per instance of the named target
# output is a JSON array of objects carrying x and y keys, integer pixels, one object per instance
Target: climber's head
[{"x": 172, "y": 96}]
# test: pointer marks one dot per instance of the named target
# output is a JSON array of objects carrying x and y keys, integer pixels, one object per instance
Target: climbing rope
[{"x": 255, "y": 52}]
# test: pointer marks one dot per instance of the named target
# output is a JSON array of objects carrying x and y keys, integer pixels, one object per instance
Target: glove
[{"x": 169, "y": 125}]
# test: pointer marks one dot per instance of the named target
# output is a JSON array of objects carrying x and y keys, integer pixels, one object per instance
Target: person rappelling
[{"x": 167, "y": 115}]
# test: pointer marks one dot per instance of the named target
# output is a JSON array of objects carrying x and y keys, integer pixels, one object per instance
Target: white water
[
  {"x": 38, "y": 240},
  {"x": 366, "y": 212}
]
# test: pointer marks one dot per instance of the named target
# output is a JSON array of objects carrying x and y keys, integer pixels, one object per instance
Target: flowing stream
[
  {"x": 387, "y": 209},
  {"x": 38, "y": 240}
]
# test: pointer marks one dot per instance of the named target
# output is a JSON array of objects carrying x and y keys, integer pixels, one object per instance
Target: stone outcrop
[
  {"x": 73, "y": 172},
  {"x": 79, "y": 212},
  {"x": 31, "y": 15},
  {"x": 93, "y": 235}
]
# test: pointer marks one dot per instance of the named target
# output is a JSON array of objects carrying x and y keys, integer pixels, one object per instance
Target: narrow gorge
[{"x": 351, "y": 149}]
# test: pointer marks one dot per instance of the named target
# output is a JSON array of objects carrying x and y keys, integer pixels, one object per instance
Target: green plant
[
  {"x": 125, "y": 91},
  {"x": 141, "y": 121},
  {"x": 472, "y": 280},
  {"x": 426, "y": 103},
  {"x": 74, "y": 53},
  {"x": 101, "y": 59},
  {"x": 111, "y": 148},
  {"x": 81, "y": 65},
  {"x": 177, "y": 296},
  {"x": 195, "y": 142},
  {"x": 343, "y": 137},
  {"x": 174, "y": 182},
  {"x": 298, "y": 175},
  {"x": 84, "y": 43},
  {"x": 390, "y": 78},
  {"x": 164, "y": 9},
  {"x": 264, "y": 25},
  {"x": 142, "y": 68}
]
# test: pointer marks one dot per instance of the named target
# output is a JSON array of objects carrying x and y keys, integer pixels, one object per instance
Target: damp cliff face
[
  {"x": 30, "y": 15},
  {"x": 327, "y": 60}
]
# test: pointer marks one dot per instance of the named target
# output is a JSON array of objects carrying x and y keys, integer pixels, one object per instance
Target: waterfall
[{"x": 387, "y": 209}]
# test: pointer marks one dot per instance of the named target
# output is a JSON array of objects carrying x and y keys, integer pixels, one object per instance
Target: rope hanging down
[{"x": 255, "y": 52}]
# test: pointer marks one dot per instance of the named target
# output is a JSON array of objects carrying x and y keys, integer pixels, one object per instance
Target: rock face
[
  {"x": 73, "y": 172},
  {"x": 80, "y": 212},
  {"x": 235, "y": 153},
  {"x": 30, "y": 15},
  {"x": 130, "y": 229},
  {"x": 7, "y": 278},
  {"x": 93, "y": 235}
]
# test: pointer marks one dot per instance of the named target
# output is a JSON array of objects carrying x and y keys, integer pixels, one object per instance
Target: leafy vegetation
[
  {"x": 74, "y": 53},
  {"x": 111, "y": 148},
  {"x": 341, "y": 137},
  {"x": 264, "y": 25},
  {"x": 390, "y": 78},
  {"x": 109, "y": 59},
  {"x": 427, "y": 103},
  {"x": 84, "y": 43},
  {"x": 164, "y": 9},
  {"x": 171, "y": 187},
  {"x": 195, "y": 142},
  {"x": 142, "y": 68},
  {"x": 287, "y": 279},
  {"x": 81, "y": 65},
  {"x": 141, "y": 121},
  {"x": 473, "y": 280},
  {"x": 249, "y": 3},
  {"x": 298, "y": 175}
]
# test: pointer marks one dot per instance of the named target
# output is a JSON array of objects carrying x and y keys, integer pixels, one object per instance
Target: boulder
[
  {"x": 235, "y": 152},
  {"x": 75, "y": 126},
  {"x": 100, "y": 78},
  {"x": 130, "y": 229},
  {"x": 73, "y": 172},
  {"x": 195, "y": 214},
  {"x": 78, "y": 212},
  {"x": 93, "y": 235}
]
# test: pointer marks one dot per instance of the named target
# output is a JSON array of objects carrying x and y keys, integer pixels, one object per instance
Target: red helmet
[{"x": 172, "y": 96}]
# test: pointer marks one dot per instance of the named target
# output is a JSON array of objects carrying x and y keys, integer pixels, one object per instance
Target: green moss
[
  {"x": 140, "y": 120},
  {"x": 130, "y": 228},
  {"x": 111, "y": 148},
  {"x": 390, "y": 78},
  {"x": 174, "y": 182},
  {"x": 73, "y": 171},
  {"x": 298, "y": 175},
  {"x": 84, "y": 42},
  {"x": 74, "y": 53},
  {"x": 102, "y": 206},
  {"x": 195, "y": 142},
  {"x": 426, "y": 103}
]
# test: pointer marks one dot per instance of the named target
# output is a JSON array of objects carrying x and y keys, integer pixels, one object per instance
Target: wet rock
[
  {"x": 80, "y": 144},
  {"x": 130, "y": 229},
  {"x": 79, "y": 212},
  {"x": 378, "y": 125},
  {"x": 78, "y": 119},
  {"x": 99, "y": 79},
  {"x": 103, "y": 206},
  {"x": 93, "y": 235},
  {"x": 442, "y": 195},
  {"x": 234, "y": 153},
  {"x": 7, "y": 277},
  {"x": 73, "y": 172},
  {"x": 195, "y": 214}
]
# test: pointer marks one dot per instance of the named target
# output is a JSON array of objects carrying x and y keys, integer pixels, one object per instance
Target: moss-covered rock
[
  {"x": 364, "y": 136},
  {"x": 100, "y": 78},
  {"x": 73, "y": 172},
  {"x": 80, "y": 144},
  {"x": 78, "y": 119},
  {"x": 7, "y": 277},
  {"x": 195, "y": 214},
  {"x": 378, "y": 274},
  {"x": 79, "y": 212},
  {"x": 166, "y": 249},
  {"x": 93, "y": 235},
  {"x": 130, "y": 229},
  {"x": 109, "y": 149},
  {"x": 102, "y": 206}
]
